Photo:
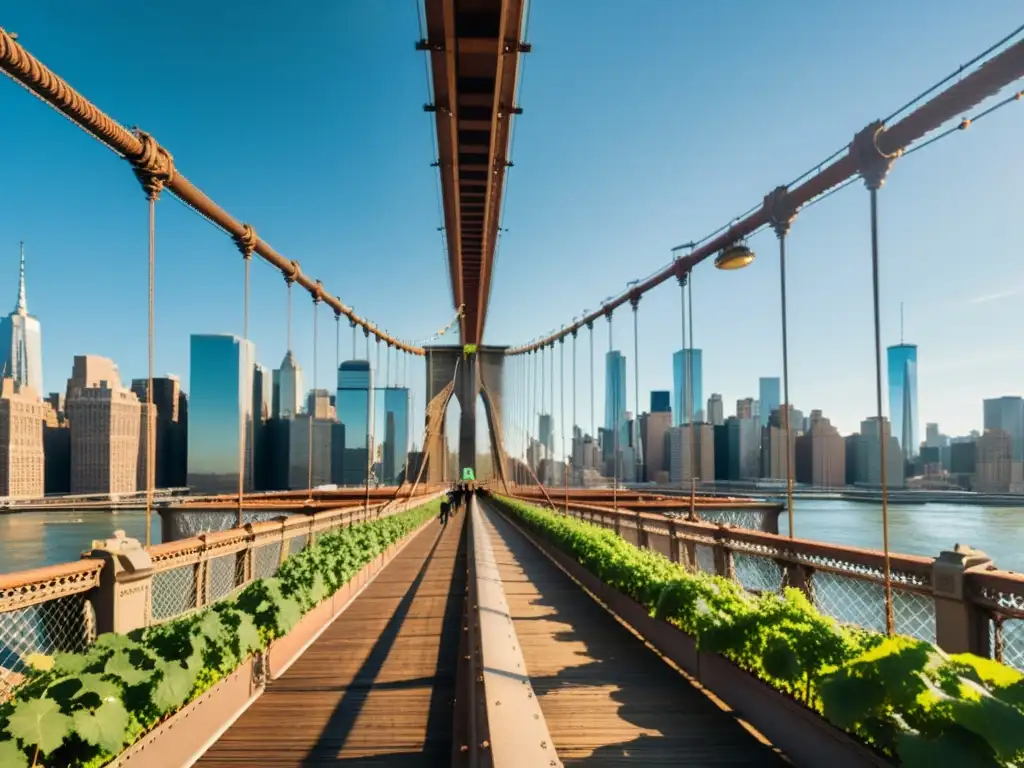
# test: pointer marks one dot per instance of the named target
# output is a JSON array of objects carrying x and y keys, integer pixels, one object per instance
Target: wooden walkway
[
  {"x": 377, "y": 687},
  {"x": 607, "y": 698}
]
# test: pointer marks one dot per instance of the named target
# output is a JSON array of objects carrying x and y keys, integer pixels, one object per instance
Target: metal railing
[
  {"x": 54, "y": 609},
  {"x": 45, "y": 611},
  {"x": 846, "y": 583}
]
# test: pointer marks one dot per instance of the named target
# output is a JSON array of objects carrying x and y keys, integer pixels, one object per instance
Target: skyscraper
[
  {"x": 1007, "y": 414},
  {"x": 903, "y": 396},
  {"x": 546, "y": 434},
  {"x": 104, "y": 419},
  {"x": 220, "y": 430},
  {"x": 615, "y": 392},
  {"x": 354, "y": 404},
  {"x": 170, "y": 430},
  {"x": 396, "y": 433},
  {"x": 687, "y": 403},
  {"x": 716, "y": 410},
  {"x": 289, "y": 385},
  {"x": 21, "y": 341},
  {"x": 21, "y": 441},
  {"x": 661, "y": 401},
  {"x": 769, "y": 394}
]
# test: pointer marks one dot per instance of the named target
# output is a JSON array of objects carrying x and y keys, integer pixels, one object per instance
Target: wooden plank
[
  {"x": 606, "y": 697},
  {"x": 378, "y": 684}
]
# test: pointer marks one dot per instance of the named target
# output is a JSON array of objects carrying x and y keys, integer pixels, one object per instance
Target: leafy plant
[
  {"x": 904, "y": 696},
  {"x": 80, "y": 709}
]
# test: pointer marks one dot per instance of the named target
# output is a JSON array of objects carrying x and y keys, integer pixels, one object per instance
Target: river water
[
  {"x": 914, "y": 529},
  {"x": 35, "y": 539}
]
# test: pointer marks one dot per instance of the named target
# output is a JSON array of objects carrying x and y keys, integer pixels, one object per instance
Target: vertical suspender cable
[
  {"x": 612, "y": 376},
  {"x": 890, "y": 618},
  {"x": 311, "y": 405},
  {"x": 641, "y": 534},
  {"x": 593, "y": 424},
  {"x": 572, "y": 443},
  {"x": 150, "y": 452}
]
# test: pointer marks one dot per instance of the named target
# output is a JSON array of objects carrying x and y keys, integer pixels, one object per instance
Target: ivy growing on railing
[
  {"x": 81, "y": 709},
  {"x": 901, "y": 695},
  {"x": 468, "y": 350}
]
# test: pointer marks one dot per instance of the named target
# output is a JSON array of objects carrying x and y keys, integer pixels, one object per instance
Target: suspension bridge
[{"x": 494, "y": 639}]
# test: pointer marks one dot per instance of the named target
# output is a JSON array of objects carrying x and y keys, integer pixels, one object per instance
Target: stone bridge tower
[{"x": 475, "y": 375}]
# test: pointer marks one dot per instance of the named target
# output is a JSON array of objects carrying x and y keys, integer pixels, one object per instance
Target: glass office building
[
  {"x": 770, "y": 395},
  {"x": 903, "y": 397},
  {"x": 614, "y": 392},
  {"x": 661, "y": 401},
  {"x": 687, "y": 403},
  {"x": 1007, "y": 414},
  {"x": 354, "y": 406},
  {"x": 220, "y": 400},
  {"x": 395, "y": 430}
]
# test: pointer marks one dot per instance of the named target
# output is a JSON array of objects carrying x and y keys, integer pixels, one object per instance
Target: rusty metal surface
[
  {"x": 606, "y": 697},
  {"x": 377, "y": 686},
  {"x": 474, "y": 48},
  {"x": 516, "y": 728}
]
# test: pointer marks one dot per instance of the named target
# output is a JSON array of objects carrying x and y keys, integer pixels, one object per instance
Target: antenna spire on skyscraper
[{"x": 22, "y": 307}]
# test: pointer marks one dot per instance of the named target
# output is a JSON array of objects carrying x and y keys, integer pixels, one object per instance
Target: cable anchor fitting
[
  {"x": 153, "y": 166},
  {"x": 246, "y": 241},
  {"x": 293, "y": 272},
  {"x": 779, "y": 210},
  {"x": 872, "y": 163}
]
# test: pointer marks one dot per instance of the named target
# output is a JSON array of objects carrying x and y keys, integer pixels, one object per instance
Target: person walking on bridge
[
  {"x": 457, "y": 494},
  {"x": 446, "y": 506}
]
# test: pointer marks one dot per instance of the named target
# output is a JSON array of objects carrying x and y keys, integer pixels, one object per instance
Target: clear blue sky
[{"x": 641, "y": 130}]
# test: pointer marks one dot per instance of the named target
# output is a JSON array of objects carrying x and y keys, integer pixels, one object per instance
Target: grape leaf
[
  {"x": 39, "y": 661},
  {"x": 105, "y": 727},
  {"x": 39, "y": 723},
  {"x": 115, "y": 642},
  {"x": 11, "y": 756},
  {"x": 948, "y": 749},
  {"x": 247, "y": 634},
  {"x": 999, "y": 724},
  {"x": 173, "y": 688},
  {"x": 210, "y": 626},
  {"x": 288, "y": 615},
  {"x": 93, "y": 683},
  {"x": 71, "y": 663},
  {"x": 119, "y": 665}
]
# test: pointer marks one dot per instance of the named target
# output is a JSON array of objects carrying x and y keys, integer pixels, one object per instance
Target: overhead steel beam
[{"x": 474, "y": 47}]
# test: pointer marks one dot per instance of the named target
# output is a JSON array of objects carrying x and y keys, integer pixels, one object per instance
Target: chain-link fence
[
  {"x": 62, "y": 625},
  {"x": 224, "y": 574},
  {"x": 862, "y": 603},
  {"x": 705, "y": 555},
  {"x": 751, "y": 519},
  {"x": 265, "y": 560},
  {"x": 757, "y": 573},
  {"x": 174, "y": 592}
]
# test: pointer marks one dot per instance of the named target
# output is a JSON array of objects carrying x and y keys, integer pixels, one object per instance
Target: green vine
[
  {"x": 468, "y": 350},
  {"x": 79, "y": 710},
  {"x": 901, "y": 695}
]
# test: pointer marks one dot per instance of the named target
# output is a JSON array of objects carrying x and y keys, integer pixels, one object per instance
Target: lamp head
[{"x": 736, "y": 256}]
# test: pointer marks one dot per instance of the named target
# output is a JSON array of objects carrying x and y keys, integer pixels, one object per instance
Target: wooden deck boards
[
  {"x": 608, "y": 699},
  {"x": 377, "y": 687}
]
